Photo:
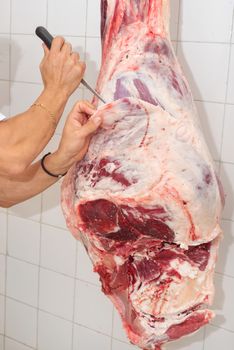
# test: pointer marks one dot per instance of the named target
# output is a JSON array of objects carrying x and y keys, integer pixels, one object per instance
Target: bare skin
[
  {"x": 23, "y": 137},
  {"x": 73, "y": 146}
]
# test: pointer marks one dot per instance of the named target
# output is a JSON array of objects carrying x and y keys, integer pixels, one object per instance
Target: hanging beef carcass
[{"x": 146, "y": 201}]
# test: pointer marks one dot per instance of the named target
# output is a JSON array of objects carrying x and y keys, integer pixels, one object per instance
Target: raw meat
[{"x": 146, "y": 201}]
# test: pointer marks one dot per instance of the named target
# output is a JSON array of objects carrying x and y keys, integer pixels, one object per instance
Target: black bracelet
[{"x": 47, "y": 171}]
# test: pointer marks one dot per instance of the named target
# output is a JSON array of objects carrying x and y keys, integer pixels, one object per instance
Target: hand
[
  {"x": 77, "y": 132},
  {"x": 61, "y": 69}
]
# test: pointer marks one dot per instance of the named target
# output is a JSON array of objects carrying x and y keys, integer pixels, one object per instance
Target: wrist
[
  {"x": 54, "y": 101},
  {"x": 56, "y": 164},
  {"x": 55, "y": 94}
]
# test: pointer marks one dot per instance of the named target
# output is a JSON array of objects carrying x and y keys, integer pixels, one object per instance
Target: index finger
[
  {"x": 57, "y": 44},
  {"x": 84, "y": 107}
]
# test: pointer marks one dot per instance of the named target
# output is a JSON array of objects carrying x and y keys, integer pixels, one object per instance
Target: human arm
[
  {"x": 72, "y": 148},
  {"x": 24, "y": 136}
]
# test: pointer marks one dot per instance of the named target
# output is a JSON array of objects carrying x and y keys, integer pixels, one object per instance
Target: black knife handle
[
  {"x": 47, "y": 38},
  {"x": 44, "y": 35}
]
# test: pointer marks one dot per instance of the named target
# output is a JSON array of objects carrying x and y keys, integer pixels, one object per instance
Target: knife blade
[{"x": 47, "y": 38}]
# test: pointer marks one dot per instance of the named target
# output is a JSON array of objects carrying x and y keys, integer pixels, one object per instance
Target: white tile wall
[
  {"x": 200, "y": 20},
  {"x": 23, "y": 243},
  {"x": 56, "y": 294},
  {"x": 2, "y": 273},
  {"x": 93, "y": 19},
  {"x": 216, "y": 338},
  {"x": 230, "y": 93},
  {"x": 200, "y": 62},
  {"x": 98, "y": 313},
  {"x": 5, "y": 97},
  {"x": 87, "y": 339},
  {"x": 11, "y": 344},
  {"x": 21, "y": 322},
  {"x": 1, "y": 342},
  {"x": 225, "y": 316},
  {"x": 175, "y": 11},
  {"x": 84, "y": 270},
  {"x": 26, "y": 55},
  {"x": 5, "y": 20},
  {"x": 3, "y": 233},
  {"x": 35, "y": 11},
  {"x": 51, "y": 210},
  {"x": 30, "y": 209},
  {"x": 69, "y": 19},
  {"x": 116, "y": 345},
  {"x": 48, "y": 280},
  {"x": 227, "y": 150},
  {"x": 225, "y": 261},
  {"x": 227, "y": 176},
  {"x": 22, "y": 281},
  {"x": 53, "y": 333},
  {"x": 58, "y": 250},
  {"x": 28, "y": 92},
  {"x": 93, "y": 59},
  {"x": 2, "y": 313},
  {"x": 4, "y": 56}
]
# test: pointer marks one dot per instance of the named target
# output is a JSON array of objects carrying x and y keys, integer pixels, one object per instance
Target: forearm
[
  {"x": 24, "y": 136},
  {"x": 33, "y": 181}
]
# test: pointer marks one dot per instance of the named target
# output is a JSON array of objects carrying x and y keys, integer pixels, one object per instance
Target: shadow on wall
[
  {"x": 7, "y": 71},
  {"x": 4, "y": 71},
  {"x": 227, "y": 243},
  {"x": 92, "y": 70}
]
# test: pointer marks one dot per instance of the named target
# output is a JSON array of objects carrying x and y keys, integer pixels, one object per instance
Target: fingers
[
  {"x": 46, "y": 50},
  {"x": 66, "y": 49},
  {"x": 84, "y": 107},
  {"x": 91, "y": 126},
  {"x": 57, "y": 44},
  {"x": 75, "y": 57}
]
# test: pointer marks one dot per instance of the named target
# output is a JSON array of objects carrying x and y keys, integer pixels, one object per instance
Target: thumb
[{"x": 91, "y": 126}]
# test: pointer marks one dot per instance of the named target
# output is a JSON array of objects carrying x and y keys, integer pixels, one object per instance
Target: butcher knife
[{"x": 47, "y": 38}]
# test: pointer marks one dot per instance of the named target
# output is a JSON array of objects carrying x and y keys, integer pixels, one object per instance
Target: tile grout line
[
  {"x": 38, "y": 280},
  {"x": 19, "y": 342},
  {"x": 112, "y": 327},
  {"x": 64, "y": 319},
  {"x": 98, "y": 37},
  {"x": 86, "y": 21},
  {"x": 204, "y": 338},
  {"x": 74, "y": 298},
  {"x": 227, "y": 86},
  {"x": 82, "y": 88},
  {"x": 52, "y": 270}
]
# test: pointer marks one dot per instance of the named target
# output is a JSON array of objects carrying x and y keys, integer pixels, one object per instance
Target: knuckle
[
  {"x": 77, "y": 55},
  {"x": 83, "y": 65},
  {"x": 67, "y": 44},
  {"x": 59, "y": 38}
]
